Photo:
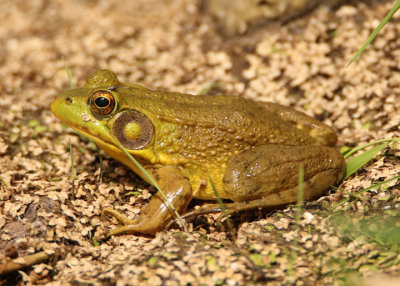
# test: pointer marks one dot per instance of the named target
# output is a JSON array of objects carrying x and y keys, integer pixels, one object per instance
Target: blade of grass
[
  {"x": 355, "y": 163},
  {"x": 71, "y": 153},
  {"x": 346, "y": 154},
  {"x": 221, "y": 204},
  {"x": 3, "y": 182},
  {"x": 364, "y": 190},
  {"x": 375, "y": 32},
  {"x": 20, "y": 140},
  {"x": 300, "y": 191},
  {"x": 299, "y": 212},
  {"x": 206, "y": 89},
  {"x": 71, "y": 84},
  {"x": 101, "y": 165},
  {"x": 381, "y": 229},
  {"x": 73, "y": 172},
  {"x": 154, "y": 183},
  {"x": 95, "y": 242}
]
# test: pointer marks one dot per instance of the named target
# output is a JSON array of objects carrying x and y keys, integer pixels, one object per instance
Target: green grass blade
[
  {"x": 350, "y": 152},
  {"x": 299, "y": 212},
  {"x": 71, "y": 153},
  {"x": 381, "y": 229},
  {"x": 221, "y": 204},
  {"x": 355, "y": 163},
  {"x": 71, "y": 84},
  {"x": 375, "y": 32},
  {"x": 206, "y": 89},
  {"x": 363, "y": 191},
  {"x": 101, "y": 165},
  {"x": 73, "y": 172},
  {"x": 3, "y": 182},
  {"x": 300, "y": 191}
]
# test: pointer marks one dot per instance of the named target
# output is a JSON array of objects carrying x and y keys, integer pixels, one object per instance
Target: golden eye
[{"x": 102, "y": 102}]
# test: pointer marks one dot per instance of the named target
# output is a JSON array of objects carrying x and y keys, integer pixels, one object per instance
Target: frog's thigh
[
  {"x": 323, "y": 133},
  {"x": 157, "y": 214},
  {"x": 270, "y": 172}
]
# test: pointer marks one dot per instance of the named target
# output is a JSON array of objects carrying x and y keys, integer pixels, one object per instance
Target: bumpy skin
[{"x": 252, "y": 151}]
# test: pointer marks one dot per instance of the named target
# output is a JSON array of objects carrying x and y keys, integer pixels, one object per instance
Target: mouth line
[{"x": 102, "y": 143}]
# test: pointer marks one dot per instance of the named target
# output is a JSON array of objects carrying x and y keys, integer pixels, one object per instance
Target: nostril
[{"x": 68, "y": 100}]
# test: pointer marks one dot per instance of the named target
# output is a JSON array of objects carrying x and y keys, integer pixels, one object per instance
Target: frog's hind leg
[
  {"x": 323, "y": 133},
  {"x": 267, "y": 177},
  {"x": 271, "y": 171}
]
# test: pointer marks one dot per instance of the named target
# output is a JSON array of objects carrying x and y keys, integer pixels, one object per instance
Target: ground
[{"x": 174, "y": 45}]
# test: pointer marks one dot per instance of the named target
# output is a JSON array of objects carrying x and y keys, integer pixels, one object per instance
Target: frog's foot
[
  {"x": 119, "y": 216},
  {"x": 127, "y": 229},
  {"x": 132, "y": 226},
  {"x": 128, "y": 224}
]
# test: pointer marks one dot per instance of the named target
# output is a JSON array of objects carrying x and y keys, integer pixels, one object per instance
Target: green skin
[{"x": 252, "y": 151}]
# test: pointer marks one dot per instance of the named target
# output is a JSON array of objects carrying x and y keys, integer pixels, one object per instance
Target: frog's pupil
[{"x": 102, "y": 101}]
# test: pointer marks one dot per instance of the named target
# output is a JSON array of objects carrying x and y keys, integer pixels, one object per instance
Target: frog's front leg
[{"x": 157, "y": 214}]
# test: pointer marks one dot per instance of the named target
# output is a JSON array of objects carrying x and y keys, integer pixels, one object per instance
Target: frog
[{"x": 205, "y": 147}]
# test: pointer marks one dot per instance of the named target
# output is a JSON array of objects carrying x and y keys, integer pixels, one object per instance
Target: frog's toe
[
  {"x": 119, "y": 216},
  {"x": 228, "y": 212},
  {"x": 125, "y": 229},
  {"x": 131, "y": 226}
]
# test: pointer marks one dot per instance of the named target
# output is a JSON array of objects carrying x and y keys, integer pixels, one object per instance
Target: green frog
[{"x": 251, "y": 151}]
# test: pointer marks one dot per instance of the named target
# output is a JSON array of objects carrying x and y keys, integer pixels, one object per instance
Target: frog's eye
[
  {"x": 102, "y": 102},
  {"x": 133, "y": 129}
]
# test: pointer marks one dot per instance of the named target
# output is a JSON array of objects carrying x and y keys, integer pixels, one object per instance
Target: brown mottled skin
[{"x": 252, "y": 151}]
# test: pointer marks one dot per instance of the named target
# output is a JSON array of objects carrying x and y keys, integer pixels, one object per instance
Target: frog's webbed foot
[
  {"x": 119, "y": 216},
  {"x": 158, "y": 212},
  {"x": 127, "y": 223}
]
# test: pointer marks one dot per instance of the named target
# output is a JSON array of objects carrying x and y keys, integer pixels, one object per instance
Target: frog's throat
[{"x": 118, "y": 154}]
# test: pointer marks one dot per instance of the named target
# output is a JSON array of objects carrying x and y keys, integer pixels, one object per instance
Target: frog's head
[{"x": 98, "y": 111}]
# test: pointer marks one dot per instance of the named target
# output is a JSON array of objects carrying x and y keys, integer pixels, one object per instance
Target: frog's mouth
[
  {"x": 116, "y": 152},
  {"x": 108, "y": 147}
]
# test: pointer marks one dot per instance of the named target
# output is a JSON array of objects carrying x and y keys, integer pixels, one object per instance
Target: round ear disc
[{"x": 133, "y": 129}]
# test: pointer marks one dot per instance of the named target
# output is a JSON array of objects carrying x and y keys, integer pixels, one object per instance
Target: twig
[{"x": 22, "y": 262}]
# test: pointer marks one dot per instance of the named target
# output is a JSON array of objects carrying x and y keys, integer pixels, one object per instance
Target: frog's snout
[
  {"x": 59, "y": 103},
  {"x": 53, "y": 104}
]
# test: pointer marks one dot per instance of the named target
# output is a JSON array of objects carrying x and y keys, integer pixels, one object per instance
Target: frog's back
[{"x": 214, "y": 121}]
